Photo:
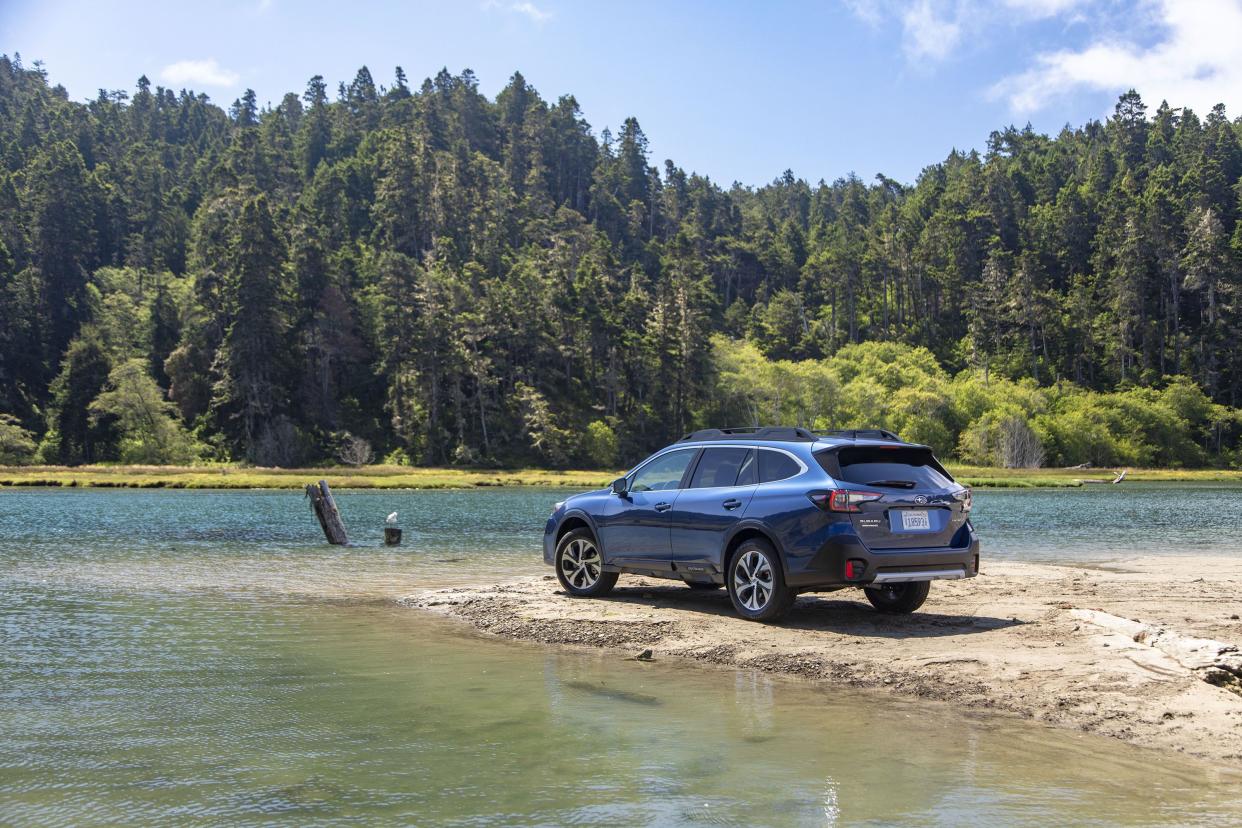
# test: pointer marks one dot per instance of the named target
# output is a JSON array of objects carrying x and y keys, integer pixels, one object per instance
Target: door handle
[
  {"x": 663, "y": 507},
  {"x": 731, "y": 503}
]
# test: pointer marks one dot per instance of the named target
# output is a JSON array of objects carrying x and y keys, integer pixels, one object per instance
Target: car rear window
[
  {"x": 883, "y": 467},
  {"x": 718, "y": 467},
  {"x": 774, "y": 465}
]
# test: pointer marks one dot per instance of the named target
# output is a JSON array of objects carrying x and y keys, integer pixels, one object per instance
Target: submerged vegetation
[{"x": 426, "y": 276}]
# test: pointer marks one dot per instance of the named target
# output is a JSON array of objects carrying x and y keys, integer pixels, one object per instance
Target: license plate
[{"x": 915, "y": 519}]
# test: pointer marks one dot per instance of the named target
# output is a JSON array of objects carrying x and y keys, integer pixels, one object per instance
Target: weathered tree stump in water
[
  {"x": 392, "y": 535},
  {"x": 325, "y": 510}
]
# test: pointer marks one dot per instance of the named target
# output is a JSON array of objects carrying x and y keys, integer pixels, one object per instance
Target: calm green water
[
  {"x": 1095, "y": 523},
  {"x": 202, "y": 658}
]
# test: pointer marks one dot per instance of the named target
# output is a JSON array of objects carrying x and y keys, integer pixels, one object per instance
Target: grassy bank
[
  {"x": 234, "y": 477},
  {"x": 985, "y": 477},
  {"x": 405, "y": 477}
]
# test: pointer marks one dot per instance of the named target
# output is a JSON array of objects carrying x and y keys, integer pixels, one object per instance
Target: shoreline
[
  {"x": 423, "y": 478},
  {"x": 234, "y": 477},
  {"x": 1132, "y": 651}
]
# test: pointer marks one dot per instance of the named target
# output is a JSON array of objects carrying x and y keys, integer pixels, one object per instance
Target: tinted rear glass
[
  {"x": 773, "y": 465},
  {"x": 749, "y": 475},
  {"x": 890, "y": 468},
  {"x": 719, "y": 467}
]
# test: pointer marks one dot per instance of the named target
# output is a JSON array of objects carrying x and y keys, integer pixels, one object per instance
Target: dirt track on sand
[{"x": 1143, "y": 650}]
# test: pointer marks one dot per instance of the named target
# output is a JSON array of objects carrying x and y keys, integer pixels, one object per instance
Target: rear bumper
[
  {"x": 827, "y": 567},
  {"x": 905, "y": 576}
]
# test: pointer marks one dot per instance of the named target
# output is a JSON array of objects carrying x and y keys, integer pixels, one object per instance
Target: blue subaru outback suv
[{"x": 769, "y": 513}]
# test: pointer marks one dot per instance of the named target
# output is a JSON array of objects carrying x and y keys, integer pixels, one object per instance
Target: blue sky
[{"x": 738, "y": 91}]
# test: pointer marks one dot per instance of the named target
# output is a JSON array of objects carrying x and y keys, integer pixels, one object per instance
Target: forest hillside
[{"x": 419, "y": 274}]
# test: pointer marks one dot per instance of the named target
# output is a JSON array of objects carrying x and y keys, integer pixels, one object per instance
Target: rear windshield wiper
[{"x": 892, "y": 484}]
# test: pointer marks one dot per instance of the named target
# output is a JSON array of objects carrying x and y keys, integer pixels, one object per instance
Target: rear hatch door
[{"x": 919, "y": 503}]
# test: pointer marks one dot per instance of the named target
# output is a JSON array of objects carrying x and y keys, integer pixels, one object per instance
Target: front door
[{"x": 634, "y": 526}]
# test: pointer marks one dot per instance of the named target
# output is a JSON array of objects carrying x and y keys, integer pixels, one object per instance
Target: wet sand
[{"x": 1143, "y": 650}]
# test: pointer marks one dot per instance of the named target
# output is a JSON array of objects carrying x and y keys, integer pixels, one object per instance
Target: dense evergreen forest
[{"x": 423, "y": 275}]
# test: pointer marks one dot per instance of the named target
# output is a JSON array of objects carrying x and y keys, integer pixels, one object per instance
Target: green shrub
[
  {"x": 599, "y": 446},
  {"x": 17, "y": 445},
  {"x": 150, "y": 432},
  {"x": 993, "y": 422}
]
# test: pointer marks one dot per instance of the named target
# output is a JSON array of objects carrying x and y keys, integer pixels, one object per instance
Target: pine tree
[
  {"x": 1206, "y": 261},
  {"x": 73, "y": 436},
  {"x": 251, "y": 365},
  {"x": 62, "y": 200}
]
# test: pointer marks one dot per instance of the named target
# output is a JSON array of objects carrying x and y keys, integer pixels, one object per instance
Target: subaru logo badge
[{"x": 920, "y": 499}]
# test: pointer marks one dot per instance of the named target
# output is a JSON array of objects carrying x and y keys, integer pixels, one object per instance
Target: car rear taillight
[
  {"x": 963, "y": 497},
  {"x": 842, "y": 500}
]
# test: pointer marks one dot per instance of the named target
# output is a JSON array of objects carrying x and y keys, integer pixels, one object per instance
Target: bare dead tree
[
  {"x": 355, "y": 451},
  {"x": 1020, "y": 447}
]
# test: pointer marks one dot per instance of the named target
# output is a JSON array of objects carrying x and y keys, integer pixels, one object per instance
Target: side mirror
[{"x": 620, "y": 487}]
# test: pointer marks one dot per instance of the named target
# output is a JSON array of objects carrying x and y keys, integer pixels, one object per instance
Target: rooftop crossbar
[{"x": 787, "y": 433}]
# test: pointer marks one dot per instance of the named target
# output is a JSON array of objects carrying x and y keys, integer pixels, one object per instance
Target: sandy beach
[{"x": 1143, "y": 650}]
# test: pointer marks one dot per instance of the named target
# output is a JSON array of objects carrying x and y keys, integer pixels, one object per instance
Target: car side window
[
  {"x": 718, "y": 467},
  {"x": 748, "y": 475},
  {"x": 664, "y": 472},
  {"x": 775, "y": 465}
]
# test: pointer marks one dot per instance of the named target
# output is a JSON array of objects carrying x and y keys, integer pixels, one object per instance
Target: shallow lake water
[{"x": 203, "y": 658}]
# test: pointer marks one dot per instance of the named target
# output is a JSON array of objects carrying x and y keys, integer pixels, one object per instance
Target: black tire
[
  {"x": 745, "y": 577},
  {"x": 579, "y": 566},
  {"x": 899, "y": 599},
  {"x": 703, "y": 585}
]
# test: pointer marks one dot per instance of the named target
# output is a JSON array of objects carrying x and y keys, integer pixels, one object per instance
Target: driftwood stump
[
  {"x": 392, "y": 536},
  {"x": 325, "y": 510}
]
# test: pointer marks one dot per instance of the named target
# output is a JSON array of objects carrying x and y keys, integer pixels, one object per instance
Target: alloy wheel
[
  {"x": 580, "y": 563},
  {"x": 752, "y": 580}
]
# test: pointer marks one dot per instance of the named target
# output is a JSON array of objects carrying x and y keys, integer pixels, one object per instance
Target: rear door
[
  {"x": 721, "y": 487},
  {"x": 919, "y": 504}
]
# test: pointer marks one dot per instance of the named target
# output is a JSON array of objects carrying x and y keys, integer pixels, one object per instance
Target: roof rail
[
  {"x": 787, "y": 433},
  {"x": 863, "y": 434}
]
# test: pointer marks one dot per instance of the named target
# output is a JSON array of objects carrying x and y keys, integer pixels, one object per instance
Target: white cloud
[
  {"x": 927, "y": 34},
  {"x": 934, "y": 29},
  {"x": 525, "y": 7},
  {"x": 869, "y": 11},
  {"x": 532, "y": 11},
  {"x": 198, "y": 72},
  {"x": 1197, "y": 62},
  {"x": 1043, "y": 8}
]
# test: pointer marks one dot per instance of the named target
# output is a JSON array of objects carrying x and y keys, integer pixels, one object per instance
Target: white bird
[{"x": 391, "y": 520}]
